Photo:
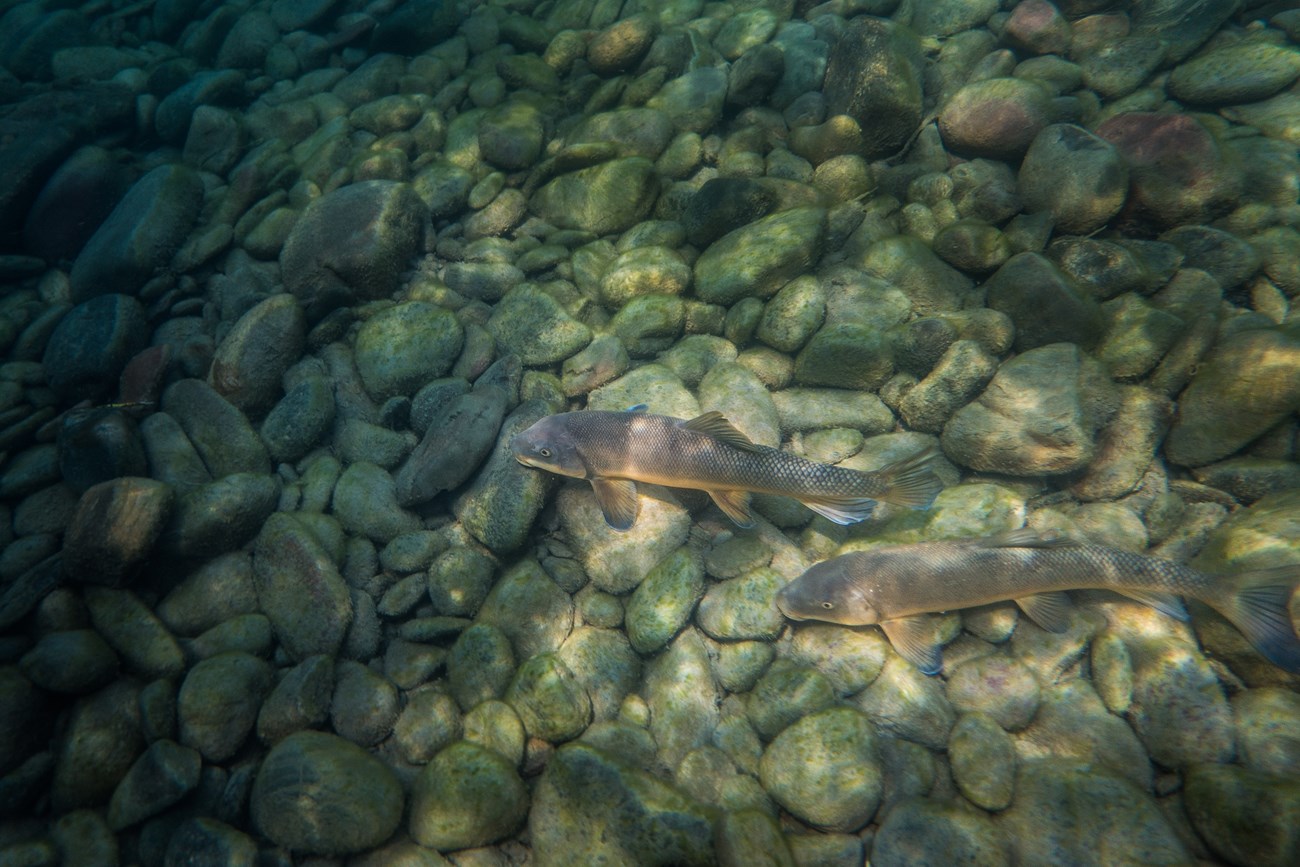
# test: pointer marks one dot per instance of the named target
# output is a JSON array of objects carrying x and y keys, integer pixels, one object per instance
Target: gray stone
[
  {"x": 825, "y": 770},
  {"x": 996, "y": 685},
  {"x": 134, "y": 632},
  {"x": 317, "y": 793},
  {"x": 299, "y": 701},
  {"x": 1075, "y": 176},
  {"x": 616, "y": 561},
  {"x": 759, "y": 258},
  {"x": 1179, "y": 710},
  {"x": 874, "y": 75},
  {"x": 141, "y": 234},
  {"x": 288, "y": 561},
  {"x": 929, "y": 833},
  {"x": 201, "y": 840},
  {"x": 603, "y": 199},
  {"x": 91, "y": 345},
  {"x": 252, "y": 358},
  {"x": 1267, "y": 738},
  {"x": 908, "y": 264},
  {"x": 907, "y": 703},
  {"x": 217, "y": 429},
  {"x": 406, "y": 346},
  {"x": 220, "y": 516},
  {"x": 1043, "y": 303},
  {"x": 71, "y": 661},
  {"x": 480, "y": 665},
  {"x": 467, "y": 796},
  {"x": 212, "y": 593},
  {"x": 845, "y": 355},
  {"x": 351, "y": 244},
  {"x": 365, "y": 502},
  {"x": 693, "y": 101},
  {"x": 174, "y": 113},
  {"x": 164, "y": 774},
  {"x": 219, "y": 701}
]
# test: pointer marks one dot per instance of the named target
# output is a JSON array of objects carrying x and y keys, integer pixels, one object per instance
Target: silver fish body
[
  {"x": 896, "y": 585},
  {"x": 614, "y": 450}
]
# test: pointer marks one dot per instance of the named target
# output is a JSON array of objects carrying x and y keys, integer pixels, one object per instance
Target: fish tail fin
[
  {"x": 1257, "y": 604},
  {"x": 911, "y": 482}
]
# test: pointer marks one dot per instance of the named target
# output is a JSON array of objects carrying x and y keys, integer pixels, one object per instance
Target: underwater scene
[{"x": 649, "y": 432}]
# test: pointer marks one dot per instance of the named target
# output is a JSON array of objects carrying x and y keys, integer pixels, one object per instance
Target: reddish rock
[
  {"x": 996, "y": 117},
  {"x": 114, "y": 529},
  {"x": 1038, "y": 27}
]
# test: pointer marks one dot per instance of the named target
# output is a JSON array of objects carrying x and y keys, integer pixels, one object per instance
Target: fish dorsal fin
[
  {"x": 736, "y": 506},
  {"x": 637, "y": 407},
  {"x": 1165, "y": 603},
  {"x": 915, "y": 640},
  {"x": 841, "y": 510},
  {"x": 1050, "y": 610},
  {"x": 1028, "y": 537},
  {"x": 715, "y": 424},
  {"x": 618, "y": 502}
]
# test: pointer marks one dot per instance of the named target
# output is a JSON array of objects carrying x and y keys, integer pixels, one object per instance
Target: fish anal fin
[
  {"x": 1165, "y": 603},
  {"x": 841, "y": 510},
  {"x": 1028, "y": 537},
  {"x": 911, "y": 482},
  {"x": 916, "y": 641},
  {"x": 1050, "y": 610},
  {"x": 715, "y": 424},
  {"x": 1258, "y": 605},
  {"x": 618, "y": 502},
  {"x": 735, "y": 504}
]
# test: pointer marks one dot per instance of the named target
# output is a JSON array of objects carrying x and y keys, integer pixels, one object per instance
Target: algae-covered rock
[
  {"x": 825, "y": 769},
  {"x": 1246, "y": 816},
  {"x": 406, "y": 346},
  {"x": 467, "y": 796},
  {"x": 603, "y": 199},
  {"x": 909, "y": 704},
  {"x": 845, "y": 355},
  {"x": 219, "y": 701},
  {"x": 289, "y": 561},
  {"x": 529, "y": 608},
  {"x": 923, "y": 832},
  {"x": 533, "y": 325},
  {"x": 983, "y": 759},
  {"x": 758, "y": 259},
  {"x": 683, "y": 696},
  {"x": 786, "y": 694},
  {"x": 661, "y": 604},
  {"x": 480, "y": 665},
  {"x": 317, "y": 793},
  {"x": 743, "y": 607}
]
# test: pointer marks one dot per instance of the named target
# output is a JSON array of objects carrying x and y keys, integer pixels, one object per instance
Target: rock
[
  {"x": 1039, "y": 415},
  {"x": 1178, "y": 173},
  {"x": 531, "y": 323},
  {"x": 616, "y": 561},
  {"x": 1248, "y": 382},
  {"x": 644, "y": 271},
  {"x": 299, "y": 701},
  {"x": 724, "y": 204},
  {"x": 642, "y": 132},
  {"x": 845, "y": 355},
  {"x": 1044, "y": 304},
  {"x": 906, "y": 703},
  {"x": 995, "y": 117},
  {"x": 850, "y": 659},
  {"x": 603, "y": 199},
  {"x": 1073, "y": 175},
  {"x": 1116, "y": 69},
  {"x": 131, "y": 629},
  {"x": 683, "y": 697},
  {"x": 74, "y": 202},
  {"x": 317, "y": 793},
  {"x": 220, "y": 516},
  {"x": 649, "y": 324},
  {"x": 459, "y": 581},
  {"x": 908, "y": 264},
  {"x": 812, "y": 409},
  {"x": 1225, "y": 257},
  {"x": 1137, "y": 337},
  {"x": 511, "y": 135},
  {"x": 998, "y": 686},
  {"x": 1038, "y": 27},
  {"x": 1179, "y": 710},
  {"x": 114, "y": 529},
  {"x": 1066, "y": 809},
  {"x": 453, "y": 447},
  {"x": 91, "y": 345},
  {"x": 1073, "y": 723},
  {"x": 300, "y": 420},
  {"x": 140, "y": 236},
  {"x": 1245, "y": 816},
  {"x": 588, "y": 801},
  {"x": 983, "y": 760},
  {"x": 405, "y": 347},
  {"x": 755, "y": 74},
  {"x": 550, "y": 701},
  {"x": 364, "y": 705},
  {"x": 253, "y": 356},
  {"x": 499, "y": 507},
  {"x": 351, "y": 244},
  {"x": 874, "y": 75},
  {"x": 101, "y": 742},
  {"x": 480, "y": 665},
  {"x": 218, "y": 703},
  {"x": 197, "y": 839},
  {"x": 412, "y": 28},
  {"x": 162, "y": 776},
  {"x": 750, "y": 836},
  {"x": 921, "y": 831},
  {"x": 661, "y": 604},
  {"x": 759, "y": 258},
  {"x": 958, "y": 376},
  {"x": 214, "y": 592},
  {"x": 174, "y": 114},
  {"x": 693, "y": 101},
  {"x": 793, "y": 315},
  {"x": 468, "y": 796},
  {"x": 219, "y": 432},
  {"x": 621, "y": 46},
  {"x": 603, "y": 662},
  {"x": 1182, "y": 25},
  {"x": 365, "y": 502},
  {"x": 743, "y": 608},
  {"x": 1127, "y": 445},
  {"x": 825, "y": 770},
  {"x": 529, "y": 608},
  {"x": 97, "y": 445},
  {"x": 1266, "y": 734},
  {"x": 784, "y": 695},
  {"x": 289, "y": 560},
  {"x": 74, "y": 661}
]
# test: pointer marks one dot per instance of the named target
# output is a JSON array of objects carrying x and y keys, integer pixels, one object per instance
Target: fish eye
[
  {"x": 544, "y": 452},
  {"x": 828, "y": 605}
]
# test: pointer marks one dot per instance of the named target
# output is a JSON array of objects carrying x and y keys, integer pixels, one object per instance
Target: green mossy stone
[
  {"x": 534, "y": 326},
  {"x": 847, "y": 356},
  {"x": 786, "y": 694},
  {"x": 758, "y": 259},
  {"x": 743, "y": 608},
  {"x": 646, "y": 270},
  {"x": 480, "y": 665},
  {"x": 603, "y": 199},
  {"x": 467, "y": 796},
  {"x": 662, "y": 603},
  {"x": 405, "y": 346},
  {"x": 550, "y": 700},
  {"x": 649, "y": 324},
  {"x": 793, "y": 314}
]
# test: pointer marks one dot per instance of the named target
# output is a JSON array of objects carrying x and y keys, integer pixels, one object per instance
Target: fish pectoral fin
[
  {"x": 618, "y": 502},
  {"x": 735, "y": 504},
  {"x": 637, "y": 407},
  {"x": 916, "y": 641},
  {"x": 1028, "y": 537},
  {"x": 911, "y": 482},
  {"x": 841, "y": 510},
  {"x": 715, "y": 424},
  {"x": 1165, "y": 603},
  {"x": 1049, "y": 610}
]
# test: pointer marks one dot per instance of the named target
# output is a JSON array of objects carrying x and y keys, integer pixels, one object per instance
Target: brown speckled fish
[
  {"x": 615, "y": 450},
  {"x": 895, "y": 586}
]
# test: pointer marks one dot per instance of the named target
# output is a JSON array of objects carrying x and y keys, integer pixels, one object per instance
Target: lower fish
[
  {"x": 895, "y": 586},
  {"x": 615, "y": 450}
]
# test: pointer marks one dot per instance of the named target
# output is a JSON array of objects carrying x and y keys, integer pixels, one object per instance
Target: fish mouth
[
  {"x": 784, "y": 608},
  {"x": 519, "y": 448}
]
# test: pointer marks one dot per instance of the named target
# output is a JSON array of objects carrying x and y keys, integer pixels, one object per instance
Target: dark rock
[
  {"x": 1182, "y": 25},
  {"x": 74, "y": 661},
  {"x": 723, "y": 204},
  {"x": 874, "y": 76},
  {"x": 114, "y": 529},
  {"x": 1043, "y": 304},
  {"x": 172, "y": 457},
  {"x": 622, "y": 45},
  {"x": 99, "y": 444},
  {"x": 247, "y": 43},
  {"x": 33, "y": 33},
  {"x": 301, "y": 700},
  {"x": 411, "y": 28},
  {"x": 92, "y": 344},
  {"x": 162, "y": 776},
  {"x": 1225, "y": 257},
  {"x": 218, "y": 430},
  {"x": 210, "y": 87},
  {"x": 453, "y": 447},
  {"x": 604, "y": 199},
  {"x": 73, "y": 203},
  {"x": 351, "y": 244},
  {"x": 253, "y": 356},
  {"x": 141, "y": 234},
  {"x": 200, "y": 841},
  {"x": 218, "y": 703},
  {"x": 222, "y": 515},
  {"x": 755, "y": 74},
  {"x": 288, "y": 562},
  {"x": 300, "y": 420},
  {"x": 1075, "y": 176},
  {"x": 101, "y": 742}
]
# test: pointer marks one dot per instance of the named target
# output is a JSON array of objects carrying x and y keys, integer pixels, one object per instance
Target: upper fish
[
  {"x": 895, "y": 586},
  {"x": 615, "y": 450}
]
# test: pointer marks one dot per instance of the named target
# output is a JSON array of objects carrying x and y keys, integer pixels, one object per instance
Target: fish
[
  {"x": 615, "y": 450},
  {"x": 897, "y": 586}
]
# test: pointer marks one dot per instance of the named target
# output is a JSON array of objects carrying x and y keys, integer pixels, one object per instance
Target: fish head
[
  {"x": 827, "y": 592},
  {"x": 549, "y": 445}
]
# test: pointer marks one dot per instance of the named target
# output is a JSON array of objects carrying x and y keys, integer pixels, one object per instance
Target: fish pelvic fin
[
  {"x": 1050, "y": 610},
  {"x": 1258, "y": 606},
  {"x": 1165, "y": 603},
  {"x": 735, "y": 504},
  {"x": 618, "y": 502},
  {"x": 715, "y": 424},
  {"x": 916, "y": 640},
  {"x": 841, "y": 510},
  {"x": 911, "y": 482}
]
